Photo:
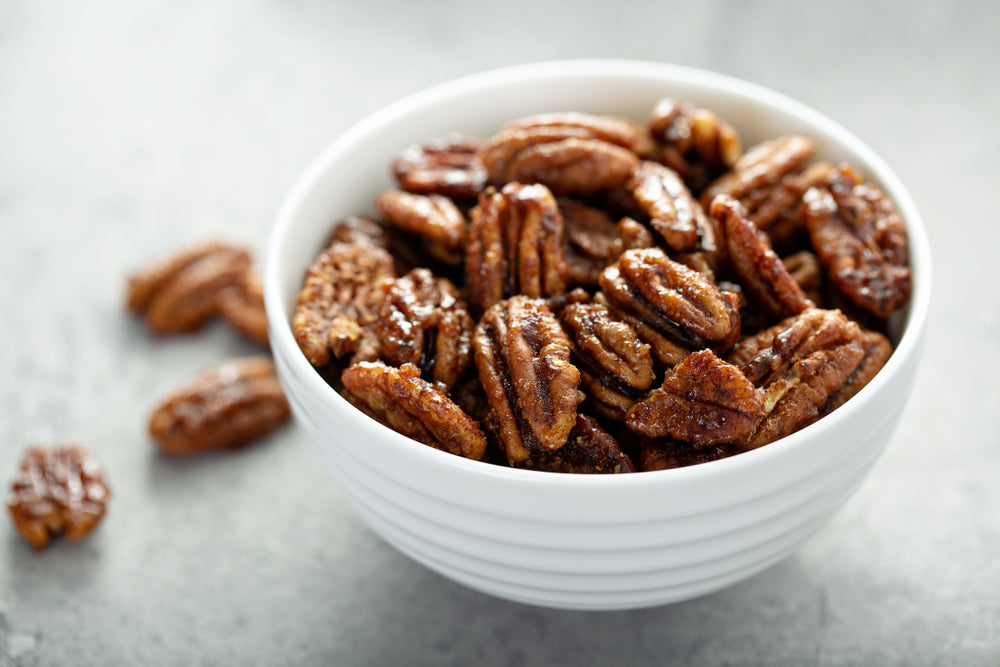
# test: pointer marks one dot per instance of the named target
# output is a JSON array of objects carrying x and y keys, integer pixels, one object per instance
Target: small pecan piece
[
  {"x": 616, "y": 366},
  {"x": 673, "y": 308},
  {"x": 861, "y": 240},
  {"x": 515, "y": 246},
  {"x": 694, "y": 142},
  {"x": 589, "y": 450},
  {"x": 340, "y": 299},
  {"x": 673, "y": 212},
  {"x": 57, "y": 490},
  {"x": 760, "y": 271},
  {"x": 665, "y": 453},
  {"x": 447, "y": 166},
  {"x": 400, "y": 399},
  {"x": 181, "y": 293},
  {"x": 704, "y": 400},
  {"x": 423, "y": 321},
  {"x": 523, "y": 359},
  {"x": 433, "y": 218},
  {"x": 243, "y": 307}
]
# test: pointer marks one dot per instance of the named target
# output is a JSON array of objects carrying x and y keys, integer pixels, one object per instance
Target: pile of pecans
[{"x": 588, "y": 294}]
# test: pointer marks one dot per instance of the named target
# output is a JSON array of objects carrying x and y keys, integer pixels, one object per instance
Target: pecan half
[
  {"x": 694, "y": 142},
  {"x": 447, "y": 166},
  {"x": 704, "y": 400},
  {"x": 761, "y": 273},
  {"x": 400, "y": 399},
  {"x": 515, "y": 246},
  {"x": 673, "y": 212},
  {"x": 589, "y": 450},
  {"x": 877, "y": 350},
  {"x": 523, "y": 359},
  {"x": 340, "y": 299},
  {"x": 57, "y": 490},
  {"x": 665, "y": 453},
  {"x": 805, "y": 270},
  {"x": 673, "y": 308},
  {"x": 616, "y": 366},
  {"x": 433, "y": 218},
  {"x": 593, "y": 241},
  {"x": 861, "y": 240},
  {"x": 423, "y": 321},
  {"x": 222, "y": 408},
  {"x": 243, "y": 307},
  {"x": 181, "y": 293},
  {"x": 779, "y": 209}
]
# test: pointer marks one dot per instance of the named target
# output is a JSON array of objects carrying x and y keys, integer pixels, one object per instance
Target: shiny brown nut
[
  {"x": 58, "y": 490},
  {"x": 225, "y": 407},
  {"x": 761, "y": 273},
  {"x": 877, "y": 350},
  {"x": 634, "y": 235},
  {"x": 433, "y": 218},
  {"x": 673, "y": 212},
  {"x": 424, "y": 321},
  {"x": 181, "y": 293},
  {"x": 704, "y": 400},
  {"x": 694, "y": 142},
  {"x": 589, "y": 450},
  {"x": 243, "y": 307},
  {"x": 400, "y": 399},
  {"x": 805, "y": 270},
  {"x": 778, "y": 209},
  {"x": 447, "y": 166},
  {"x": 666, "y": 453},
  {"x": 593, "y": 240},
  {"x": 861, "y": 240},
  {"x": 573, "y": 166},
  {"x": 340, "y": 299},
  {"x": 515, "y": 246},
  {"x": 674, "y": 309},
  {"x": 523, "y": 359},
  {"x": 355, "y": 229},
  {"x": 616, "y": 367}
]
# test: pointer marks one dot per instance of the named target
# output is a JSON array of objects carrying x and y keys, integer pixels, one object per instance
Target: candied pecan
[
  {"x": 666, "y": 453},
  {"x": 355, "y": 229},
  {"x": 761, "y": 272},
  {"x": 672, "y": 307},
  {"x": 592, "y": 241},
  {"x": 423, "y": 321},
  {"x": 615, "y": 365},
  {"x": 861, "y": 240},
  {"x": 57, "y": 490},
  {"x": 243, "y": 307},
  {"x": 694, "y": 142},
  {"x": 805, "y": 270},
  {"x": 181, "y": 293},
  {"x": 515, "y": 246},
  {"x": 433, "y": 218},
  {"x": 340, "y": 299},
  {"x": 589, "y": 450},
  {"x": 222, "y": 408},
  {"x": 447, "y": 166},
  {"x": 400, "y": 399},
  {"x": 523, "y": 359},
  {"x": 704, "y": 400},
  {"x": 634, "y": 235},
  {"x": 673, "y": 212},
  {"x": 780, "y": 213},
  {"x": 877, "y": 350}
]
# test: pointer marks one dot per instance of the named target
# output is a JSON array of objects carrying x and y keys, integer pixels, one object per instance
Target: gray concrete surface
[{"x": 130, "y": 129}]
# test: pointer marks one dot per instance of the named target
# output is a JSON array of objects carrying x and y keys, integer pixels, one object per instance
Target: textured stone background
[{"x": 130, "y": 129}]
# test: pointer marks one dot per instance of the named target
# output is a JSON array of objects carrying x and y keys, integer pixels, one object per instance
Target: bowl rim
[{"x": 909, "y": 344}]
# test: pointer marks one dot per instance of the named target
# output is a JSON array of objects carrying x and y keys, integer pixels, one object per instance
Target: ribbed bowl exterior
[{"x": 578, "y": 541}]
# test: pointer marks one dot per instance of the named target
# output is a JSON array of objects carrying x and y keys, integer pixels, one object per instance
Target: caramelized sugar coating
[
  {"x": 665, "y": 453},
  {"x": 58, "y": 490},
  {"x": 447, "y": 166},
  {"x": 673, "y": 212},
  {"x": 693, "y": 142},
  {"x": 433, "y": 218},
  {"x": 589, "y": 450},
  {"x": 242, "y": 305}
]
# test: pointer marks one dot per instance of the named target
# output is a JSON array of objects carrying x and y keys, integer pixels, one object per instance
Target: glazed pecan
[
  {"x": 571, "y": 153},
  {"x": 340, "y": 299},
  {"x": 423, "y": 321},
  {"x": 760, "y": 271},
  {"x": 242, "y": 305},
  {"x": 400, "y": 399},
  {"x": 355, "y": 229},
  {"x": 780, "y": 213},
  {"x": 57, "y": 490},
  {"x": 222, "y": 408},
  {"x": 634, "y": 235},
  {"x": 588, "y": 450},
  {"x": 861, "y": 240},
  {"x": 674, "y": 309},
  {"x": 593, "y": 241},
  {"x": 673, "y": 212},
  {"x": 877, "y": 350},
  {"x": 805, "y": 270},
  {"x": 615, "y": 364},
  {"x": 704, "y": 400},
  {"x": 433, "y": 218},
  {"x": 665, "y": 453},
  {"x": 447, "y": 166},
  {"x": 523, "y": 359},
  {"x": 694, "y": 142},
  {"x": 515, "y": 246},
  {"x": 181, "y": 293}
]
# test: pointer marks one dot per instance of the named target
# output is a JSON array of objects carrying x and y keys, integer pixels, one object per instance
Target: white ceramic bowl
[{"x": 580, "y": 541}]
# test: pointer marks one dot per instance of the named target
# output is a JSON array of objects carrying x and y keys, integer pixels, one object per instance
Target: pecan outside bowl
[{"x": 581, "y": 541}]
